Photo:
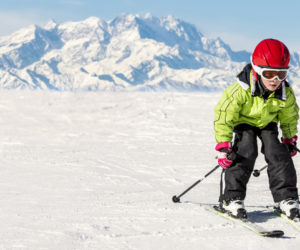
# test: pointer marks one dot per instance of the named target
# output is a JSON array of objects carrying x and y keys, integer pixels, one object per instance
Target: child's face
[{"x": 271, "y": 85}]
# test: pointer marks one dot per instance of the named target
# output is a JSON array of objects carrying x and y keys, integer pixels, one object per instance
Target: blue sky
[{"x": 241, "y": 24}]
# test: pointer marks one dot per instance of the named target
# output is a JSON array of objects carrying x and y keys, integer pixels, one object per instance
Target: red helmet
[{"x": 271, "y": 53}]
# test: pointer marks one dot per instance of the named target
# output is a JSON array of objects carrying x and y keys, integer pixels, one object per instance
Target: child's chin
[{"x": 272, "y": 88}]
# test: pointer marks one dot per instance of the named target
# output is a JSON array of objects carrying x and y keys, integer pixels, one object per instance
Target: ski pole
[
  {"x": 256, "y": 172},
  {"x": 177, "y": 198}
]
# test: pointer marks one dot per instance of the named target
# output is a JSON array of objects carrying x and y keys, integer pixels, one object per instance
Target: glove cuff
[
  {"x": 223, "y": 145},
  {"x": 291, "y": 140}
]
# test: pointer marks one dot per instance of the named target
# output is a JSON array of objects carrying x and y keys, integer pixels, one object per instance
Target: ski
[
  {"x": 295, "y": 223},
  {"x": 247, "y": 224}
]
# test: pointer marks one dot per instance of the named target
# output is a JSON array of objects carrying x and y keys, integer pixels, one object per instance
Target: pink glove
[
  {"x": 291, "y": 143},
  {"x": 224, "y": 149}
]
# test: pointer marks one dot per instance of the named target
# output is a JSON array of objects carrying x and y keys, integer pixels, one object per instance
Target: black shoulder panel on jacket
[{"x": 244, "y": 75}]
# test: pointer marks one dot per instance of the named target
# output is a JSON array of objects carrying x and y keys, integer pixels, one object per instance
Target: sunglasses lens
[{"x": 270, "y": 74}]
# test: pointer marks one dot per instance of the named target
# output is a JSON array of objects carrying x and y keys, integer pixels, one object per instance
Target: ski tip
[{"x": 273, "y": 234}]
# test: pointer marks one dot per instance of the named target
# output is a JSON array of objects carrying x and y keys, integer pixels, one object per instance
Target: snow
[
  {"x": 91, "y": 170},
  {"x": 133, "y": 52},
  {"x": 129, "y": 53}
]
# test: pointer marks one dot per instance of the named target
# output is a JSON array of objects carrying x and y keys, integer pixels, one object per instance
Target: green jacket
[{"x": 245, "y": 101}]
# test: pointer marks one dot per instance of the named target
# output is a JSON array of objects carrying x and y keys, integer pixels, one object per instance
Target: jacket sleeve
[
  {"x": 227, "y": 112},
  {"x": 288, "y": 116}
]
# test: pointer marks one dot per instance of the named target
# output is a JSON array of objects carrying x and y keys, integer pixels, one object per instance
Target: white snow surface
[{"x": 91, "y": 170}]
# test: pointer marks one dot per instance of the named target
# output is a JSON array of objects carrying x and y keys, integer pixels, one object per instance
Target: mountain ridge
[{"x": 128, "y": 53}]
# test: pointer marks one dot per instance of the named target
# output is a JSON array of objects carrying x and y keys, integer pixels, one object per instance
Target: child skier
[{"x": 250, "y": 108}]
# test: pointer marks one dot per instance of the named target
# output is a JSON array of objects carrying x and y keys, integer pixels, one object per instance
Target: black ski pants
[{"x": 281, "y": 170}]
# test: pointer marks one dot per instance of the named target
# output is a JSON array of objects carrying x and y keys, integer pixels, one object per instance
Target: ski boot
[
  {"x": 290, "y": 207},
  {"x": 235, "y": 208}
]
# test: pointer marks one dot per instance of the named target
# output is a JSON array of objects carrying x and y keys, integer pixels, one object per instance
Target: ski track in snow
[{"x": 98, "y": 171}]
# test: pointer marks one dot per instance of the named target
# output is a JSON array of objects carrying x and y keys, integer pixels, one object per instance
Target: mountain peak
[
  {"x": 93, "y": 21},
  {"x": 131, "y": 52},
  {"x": 50, "y": 25},
  {"x": 123, "y": 22}
]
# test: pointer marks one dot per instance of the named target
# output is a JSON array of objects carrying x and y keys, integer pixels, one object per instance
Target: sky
[{"x": 241, "y": 24}]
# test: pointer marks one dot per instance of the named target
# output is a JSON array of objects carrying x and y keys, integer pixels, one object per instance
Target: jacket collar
[{"x": 247, "y": 80}]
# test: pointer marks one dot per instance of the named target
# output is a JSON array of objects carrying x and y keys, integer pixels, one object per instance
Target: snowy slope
[
  {"x": 97, "y": 171},
  {"x": 131, "y": 52}
]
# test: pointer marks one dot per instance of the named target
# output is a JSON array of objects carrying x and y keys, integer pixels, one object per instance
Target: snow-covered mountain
[{"x": 131, "y": 52}]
